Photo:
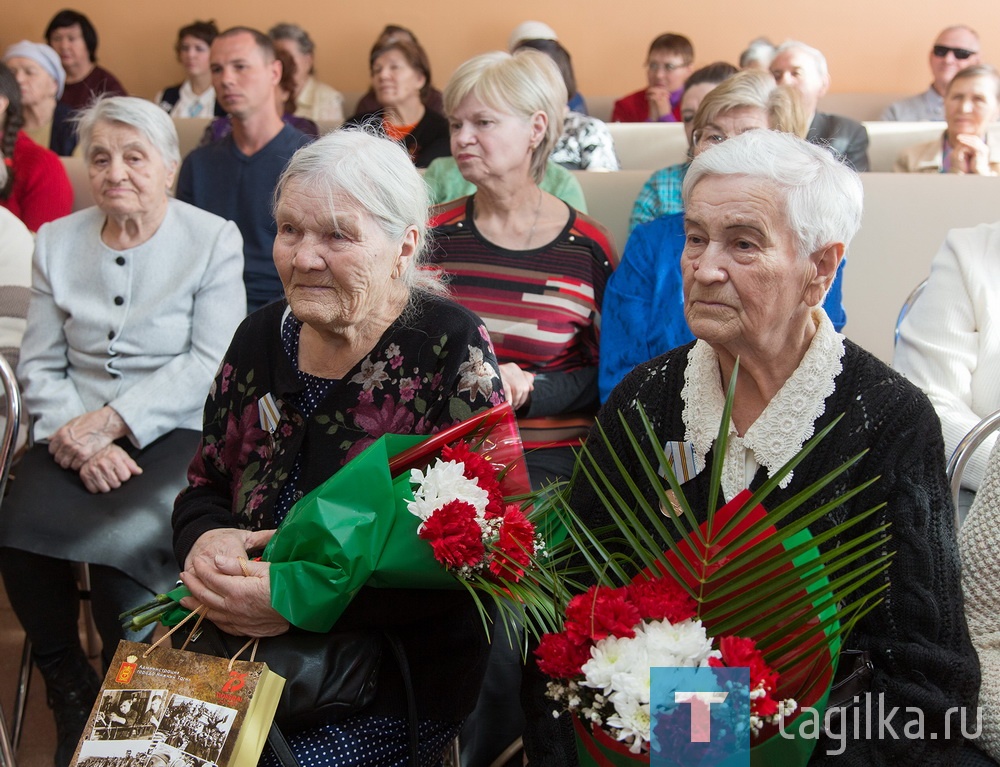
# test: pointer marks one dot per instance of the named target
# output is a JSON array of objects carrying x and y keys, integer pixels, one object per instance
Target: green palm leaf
[{"x": 801, "y": 591}]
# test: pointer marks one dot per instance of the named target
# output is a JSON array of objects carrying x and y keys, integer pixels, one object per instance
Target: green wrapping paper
[
  {"x": 336, "y": 538},
  {"x": 355, "y": 529}
]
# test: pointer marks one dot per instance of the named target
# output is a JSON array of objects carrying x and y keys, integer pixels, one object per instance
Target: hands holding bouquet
[
  {"x": 358, "y": 529},
  {"x": 236, "y": 591}
]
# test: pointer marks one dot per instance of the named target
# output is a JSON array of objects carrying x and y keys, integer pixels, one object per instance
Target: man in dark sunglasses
[{"x": 955, "y": 49}]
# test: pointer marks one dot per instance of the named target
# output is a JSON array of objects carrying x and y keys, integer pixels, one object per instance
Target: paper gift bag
[{"x": 160, "y": 707}]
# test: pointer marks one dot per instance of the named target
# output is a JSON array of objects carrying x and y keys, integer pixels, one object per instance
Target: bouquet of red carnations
[
  {"x": 655, "y": 588},
  {"x": 613, "y": 636},
  {"x": 455, "y": 490}
]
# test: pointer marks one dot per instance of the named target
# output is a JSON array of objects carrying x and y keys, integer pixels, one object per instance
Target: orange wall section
[{"x": 877, "y": 46}]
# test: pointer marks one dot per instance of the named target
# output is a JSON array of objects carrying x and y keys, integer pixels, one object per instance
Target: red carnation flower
[
  {"x": 740, "y": 652},
  {"x": 601, "y": 612},
  {"x": 481, "y": 470},
  {"x": 559, "y": 657},
  {"x": 515, "y": 544},
  {"x": 454, "y": 535},
  {"x": 662, "y": 599}
]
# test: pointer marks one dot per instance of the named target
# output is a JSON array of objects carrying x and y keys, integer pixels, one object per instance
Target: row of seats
[
  {"x": 906, "y": 217},
  {"x": 648, "y": 146},
  {"x": 862, "y": 107}
]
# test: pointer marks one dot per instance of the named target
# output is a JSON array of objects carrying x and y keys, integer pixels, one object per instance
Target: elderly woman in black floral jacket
[{"x": 366, "y": 345}]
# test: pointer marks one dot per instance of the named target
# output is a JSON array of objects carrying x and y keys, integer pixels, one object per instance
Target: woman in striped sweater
[
  {"x": 531, "y": 266},
  {"x": 534, "y": 269}
]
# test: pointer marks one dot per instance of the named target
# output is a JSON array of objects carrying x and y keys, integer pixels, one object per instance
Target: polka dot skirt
[{"x": 366, "y": 741}]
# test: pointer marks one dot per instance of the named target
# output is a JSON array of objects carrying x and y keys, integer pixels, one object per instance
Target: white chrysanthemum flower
[
  {"x": 633, "y": 683},
  {"x": 683, "y": 644},
  {"x": 631, "y": 719},
  {"x": 442, "y": 483},
  {"x": 610, "y": 656}
]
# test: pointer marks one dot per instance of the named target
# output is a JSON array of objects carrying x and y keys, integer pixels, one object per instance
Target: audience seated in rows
[
  {"x": 368, "y": 102},
  {"x": 585, "y": 142},
  {"x": 661, "y": 195},
  {"x": 804, "y": 68},
  {"x": 954, "y": 49},
  {"x": 41, "y": 78},
  {"x": 971, "y": 104},
  {"x": 643, "y": 311},
  {"x": 195, "y": 97},
  {"x": 314, "y": 100},
  {"x": 668, "y": 65},
  {"x": 33, "y": 183},
  {"x": 401, "y": 79},
  {"x": 235, "y": 177},
  {"x": 74, "y": 38}
]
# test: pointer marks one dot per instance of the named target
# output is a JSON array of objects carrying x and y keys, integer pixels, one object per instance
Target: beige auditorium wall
[{"x": 871, "y": 45}]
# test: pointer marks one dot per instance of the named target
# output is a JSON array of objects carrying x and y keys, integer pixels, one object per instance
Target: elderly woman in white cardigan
[
  {"x": 949, "y": 342},
  {"x": 133, "y": 304}
]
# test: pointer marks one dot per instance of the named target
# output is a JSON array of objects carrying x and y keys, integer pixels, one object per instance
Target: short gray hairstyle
[
  {"x": 145, "y": 116},
  {"x": 814, "y": 53},
  {"x": 760, "y": 51},
  {"x": 823, "y": 197},
  {"x": 378, "y": 175},
  {"x": 285, "y": 31}
]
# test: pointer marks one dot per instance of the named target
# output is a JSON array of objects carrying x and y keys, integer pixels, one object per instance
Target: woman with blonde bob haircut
[
  {"x": 534, "y": 269},
  {"x": 527, "y": 85}
]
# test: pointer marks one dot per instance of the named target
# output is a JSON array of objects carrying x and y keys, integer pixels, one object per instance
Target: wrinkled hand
[
  {"x": 79, "y": 439},
  {"x": 970, "y": 155},
  {"x": 237, "y": 603},
  {"x": 108, "y": 469},
  {"x": 658, "y": 97},
  {"x": 517, "y": 384}
]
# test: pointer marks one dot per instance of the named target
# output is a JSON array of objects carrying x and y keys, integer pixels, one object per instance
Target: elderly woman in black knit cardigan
[{"x": 768, "y": 218}]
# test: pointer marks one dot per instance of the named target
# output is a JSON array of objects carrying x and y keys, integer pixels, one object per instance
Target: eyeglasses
[
  {"x": 655, "y": 66},
  {"x": 941, "y": 51},
  {"x": 709, "y": 136}
]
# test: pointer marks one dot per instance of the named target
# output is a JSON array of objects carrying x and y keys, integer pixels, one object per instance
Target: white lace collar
[{"x": 786, "y": 423}]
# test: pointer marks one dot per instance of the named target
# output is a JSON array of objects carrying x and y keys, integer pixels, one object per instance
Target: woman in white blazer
[{"x": 133, "y": 304}]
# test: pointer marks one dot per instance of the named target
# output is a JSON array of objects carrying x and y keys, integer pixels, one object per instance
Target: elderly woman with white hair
[
  {"x": 366, "y": 344},
  {"x": 41, "y": 78},
  {"x": 133, "y": 301},
  {"x": 768, "y": 218}
]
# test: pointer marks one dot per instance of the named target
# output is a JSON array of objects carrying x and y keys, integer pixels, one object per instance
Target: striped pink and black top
[{"x": 542, "y": 308}]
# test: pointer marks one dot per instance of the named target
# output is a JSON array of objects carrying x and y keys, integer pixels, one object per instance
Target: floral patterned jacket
[{"x": 432, "y": 368}]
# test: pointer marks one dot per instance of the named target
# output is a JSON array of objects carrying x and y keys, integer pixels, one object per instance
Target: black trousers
[{"x": 44, "y": 594}]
